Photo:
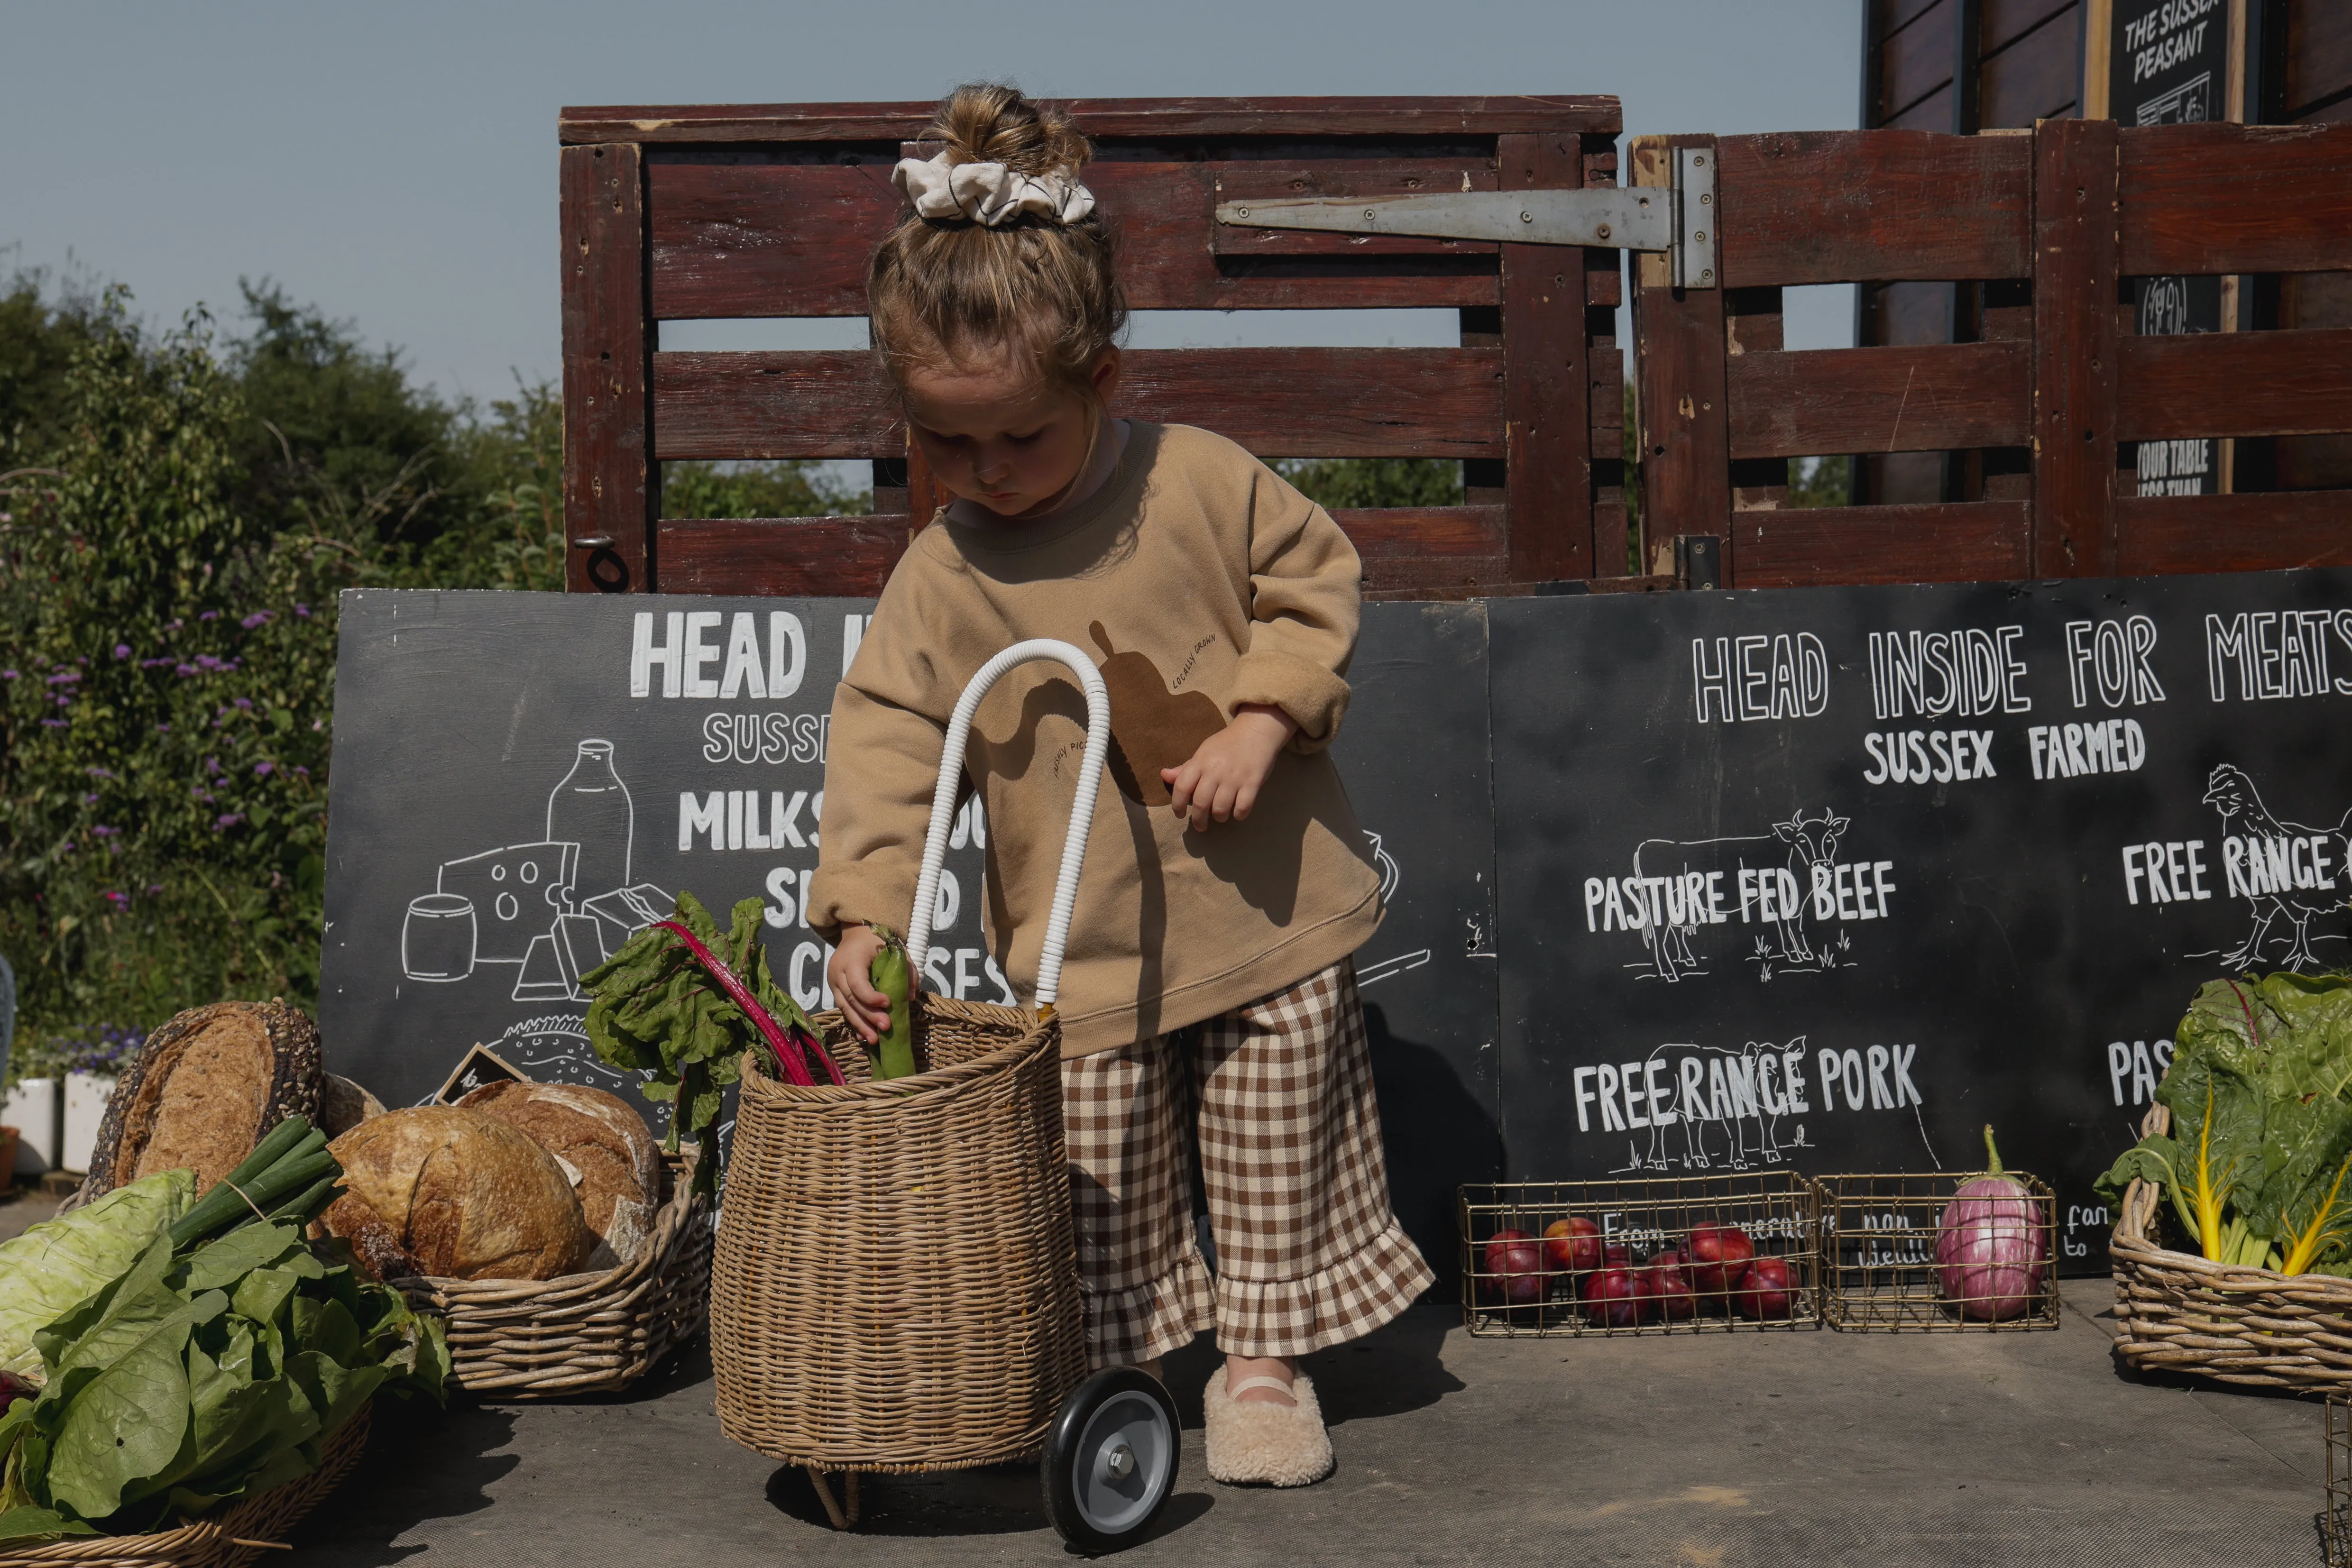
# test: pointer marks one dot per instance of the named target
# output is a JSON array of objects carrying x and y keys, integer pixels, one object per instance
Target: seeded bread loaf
[
  {"x": 597, "y": 1135},
  {"x": 440, "y": 1190},
  {"x": 204, "y": 1089}
]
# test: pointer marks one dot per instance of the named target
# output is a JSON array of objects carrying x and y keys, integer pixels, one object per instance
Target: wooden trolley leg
[{"x": 832, "y": 1506}]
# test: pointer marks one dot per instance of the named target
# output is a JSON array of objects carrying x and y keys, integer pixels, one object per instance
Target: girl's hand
[
  {"x": 850, "y": 972},
  {"x": 1222, "y": 781}
]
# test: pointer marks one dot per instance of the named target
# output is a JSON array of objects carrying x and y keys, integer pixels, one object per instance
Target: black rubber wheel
[{"x": 1110, "y": 1459}]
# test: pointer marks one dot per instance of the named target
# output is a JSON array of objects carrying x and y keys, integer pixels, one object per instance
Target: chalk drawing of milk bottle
[{"x": 592, "y": 808}]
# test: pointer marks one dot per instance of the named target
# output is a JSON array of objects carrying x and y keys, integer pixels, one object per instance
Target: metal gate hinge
[{"x": 1678, "y": 220}]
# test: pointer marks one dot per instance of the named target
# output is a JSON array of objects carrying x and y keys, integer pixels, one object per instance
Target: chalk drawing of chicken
[{"x": 2285, "y": 870}]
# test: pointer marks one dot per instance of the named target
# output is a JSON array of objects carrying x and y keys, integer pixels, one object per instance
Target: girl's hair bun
[
  {"x": 992, "y": 123},
  {"x": 939, "y": 289}
]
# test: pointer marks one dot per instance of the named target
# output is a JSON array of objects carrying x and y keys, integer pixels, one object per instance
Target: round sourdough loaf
[
  {"x": 440, "y": 1190},
  {"x": 204, "y": 1090},
  {"x": 597, "y": 1135}
]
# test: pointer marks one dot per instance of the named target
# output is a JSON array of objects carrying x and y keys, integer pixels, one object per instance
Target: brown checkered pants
[{"x": 1308, "y": 1253}]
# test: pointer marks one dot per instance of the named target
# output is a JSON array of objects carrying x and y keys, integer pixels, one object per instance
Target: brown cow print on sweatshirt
[{"x": 1153, "y": 727}]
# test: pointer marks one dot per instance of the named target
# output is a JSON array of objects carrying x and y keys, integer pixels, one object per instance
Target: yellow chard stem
[
  {"x": 2314, "y": 1237},
  {"x": 2209, "y": 1193}
]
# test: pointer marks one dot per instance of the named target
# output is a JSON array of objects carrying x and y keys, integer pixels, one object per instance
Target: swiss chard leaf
[{"x": 656, "y": 1009}]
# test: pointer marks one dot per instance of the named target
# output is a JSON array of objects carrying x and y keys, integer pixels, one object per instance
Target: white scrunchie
[{"x": 989, "y": 193}]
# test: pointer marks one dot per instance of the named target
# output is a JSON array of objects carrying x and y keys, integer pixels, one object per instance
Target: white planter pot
[
  {"x": 86, "y": 1098},
  {"x": 32, "y": 1109}
]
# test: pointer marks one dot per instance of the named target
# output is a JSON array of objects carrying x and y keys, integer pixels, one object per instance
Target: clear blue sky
[{"x": 394, "y": 163}]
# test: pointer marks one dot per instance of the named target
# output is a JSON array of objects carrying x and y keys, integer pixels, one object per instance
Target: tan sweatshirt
[{"x": 1200, "y": 581}]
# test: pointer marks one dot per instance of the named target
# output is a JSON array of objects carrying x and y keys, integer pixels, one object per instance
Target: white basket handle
[{"x": 1082, "y": 809}]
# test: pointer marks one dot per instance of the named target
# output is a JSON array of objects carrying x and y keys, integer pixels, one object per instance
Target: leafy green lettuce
[
  {"x": 63, "y": 1261},
  {"x": 188, "y": 1381}
]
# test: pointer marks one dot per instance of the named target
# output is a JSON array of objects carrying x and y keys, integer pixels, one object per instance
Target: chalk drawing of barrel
[{"x": 436, "y": 941}]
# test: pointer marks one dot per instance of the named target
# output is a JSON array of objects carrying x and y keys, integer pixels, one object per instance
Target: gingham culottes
[{"x": 1308, "y": 1253}]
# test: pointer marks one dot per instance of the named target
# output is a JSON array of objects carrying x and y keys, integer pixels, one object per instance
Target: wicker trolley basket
[
  {"x": 894, "y": 1288},
  {"x": 239, "y": 1534},
  {"x": 580, "y": 1333},
  {"x": 2176, "y": 1312}
]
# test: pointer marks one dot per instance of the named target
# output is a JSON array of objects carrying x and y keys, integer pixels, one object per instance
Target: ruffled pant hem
[{"x": 1338, "y": 1303}]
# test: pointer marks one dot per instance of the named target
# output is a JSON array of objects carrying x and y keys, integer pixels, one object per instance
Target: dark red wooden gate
[{"x": 683, "y": 213}]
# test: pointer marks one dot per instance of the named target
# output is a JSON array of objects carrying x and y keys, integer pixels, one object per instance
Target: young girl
[{"x": 1207, "y": 984}]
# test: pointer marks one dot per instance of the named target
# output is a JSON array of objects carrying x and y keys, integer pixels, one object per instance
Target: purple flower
[
  {"x": 123, "y": 650},
  {"x": 156, "y": 663},
  {"x": 55, "y": 722},
  {"x": 7, "y": 674},
  {"x": 186, "y": 670},
  {"x": 258, "y": 619},
  {"x": 303, "y": 610},
  {"x": 162, "y": 729},
  {"x": 64, "y": 677},
  {"x": 67, "y": 848},
  {"x": 212, "y": 767},
  {"x": 90, "y": 800},
  {"x": 245, "y": 703},
  {"x": 64, "y": 700},
  {"x": 302, "y": 770},
  {"x": 98, "y": 773},
  {"x": 264, "y": 768},
  {"x": 153, "y": 888},
  {"x": 230, "y": 821},
  {"x": 120, "y": 900},
  {"x": 175, "y": 625},
  {"x": 103, "y": 831},
  {"x": 209, "y": 615}
]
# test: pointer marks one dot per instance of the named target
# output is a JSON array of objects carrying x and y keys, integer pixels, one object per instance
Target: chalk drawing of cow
[
  {"x": 1681, "y": 910},
  {"x": 1813, "y": 840},
  {"x": 1679, "y": 913}
]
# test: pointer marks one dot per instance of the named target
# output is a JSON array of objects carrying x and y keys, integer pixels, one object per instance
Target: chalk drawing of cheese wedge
[{"x": 516, "y": 892}]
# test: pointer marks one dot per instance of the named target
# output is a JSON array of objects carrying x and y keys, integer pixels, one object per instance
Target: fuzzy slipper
[{"x": 1254, "y": 1443}]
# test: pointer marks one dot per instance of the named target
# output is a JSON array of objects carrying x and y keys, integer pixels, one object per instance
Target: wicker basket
[
  {"x": 2176, "y": 1311},
  {"x": 580, "y": 1333},
  {"x": 238, "y": 1535},
  {"x": 894, "y": 1289}
]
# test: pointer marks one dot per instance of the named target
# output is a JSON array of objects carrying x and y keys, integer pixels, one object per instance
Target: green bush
[{"x": 178, "y": 516}]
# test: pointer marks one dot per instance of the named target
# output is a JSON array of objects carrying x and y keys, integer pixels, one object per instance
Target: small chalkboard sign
[
  {"x": 2172, "y": 65},
  {"x": 481, "y": 1068}
]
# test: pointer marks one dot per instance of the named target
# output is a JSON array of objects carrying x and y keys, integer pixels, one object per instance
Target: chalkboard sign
[
  {"x": 521, "y": 781},
  {"x": 1820, "y": 878},
  {"x": 1829, "y": 879}
]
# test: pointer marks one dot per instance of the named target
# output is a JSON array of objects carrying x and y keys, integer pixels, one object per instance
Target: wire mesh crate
[
  {"x": 2336, "y": 1522},
  {"x": 1939, "y": 1253},
  {"x": 1589, "y": 1258}
]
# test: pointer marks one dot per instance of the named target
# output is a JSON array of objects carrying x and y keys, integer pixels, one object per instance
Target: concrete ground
[
  {"x": 1726, "y": 1449},
  {"x": 25, "y": 1207}
]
